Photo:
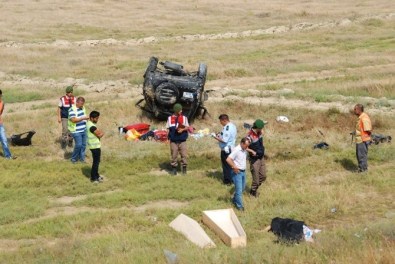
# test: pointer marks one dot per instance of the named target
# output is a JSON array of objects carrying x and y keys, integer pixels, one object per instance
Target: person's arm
[
  {"x": 232, "y": 164},
  {"x": 59, "y": 117},
  {"x": 185, "y": 125},
  {"x": 2, "y": 109},
  {"x": 75, "y": 119},
  {"x": 214, "y": 136},
  {"x": 98, "y": 133},
  {"x": 252, "y": 152}
]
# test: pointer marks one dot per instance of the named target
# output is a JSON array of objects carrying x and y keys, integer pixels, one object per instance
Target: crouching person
[
  {"x": 94, "y": 136},
  {"x": 237, "y": 161}
]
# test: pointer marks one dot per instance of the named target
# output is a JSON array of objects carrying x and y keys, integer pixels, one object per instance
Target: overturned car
[{"x": 170, "y": 84}]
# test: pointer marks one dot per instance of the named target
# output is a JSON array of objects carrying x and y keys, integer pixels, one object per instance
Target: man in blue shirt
[{"x": 226, "y": 140}]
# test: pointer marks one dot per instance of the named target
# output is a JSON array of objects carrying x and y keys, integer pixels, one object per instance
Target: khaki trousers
[
  {"x": 66, "y": 135},
  {"x": 258, "y": 172},
  {"x": 176, "y": 148}
]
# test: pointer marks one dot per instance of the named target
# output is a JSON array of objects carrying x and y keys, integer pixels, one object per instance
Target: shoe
[
  {"x": 254, "y": 194},
  {"x": 184, "y": 170},
  {"x": 95, "y": 181},
  {"x": 83, "y": 161},
  {"x": 100, "y": 179},
  {"x": 361, "y": 171},
  {"x": 11, "y": 158},
  {"x": 74, "y": 161},
  {"x": 240, "y": 209}
]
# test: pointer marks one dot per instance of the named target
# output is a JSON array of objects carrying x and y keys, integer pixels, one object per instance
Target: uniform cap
[
  {"x": 69, "y": 89},
  {"x": 177, "y": 108}
]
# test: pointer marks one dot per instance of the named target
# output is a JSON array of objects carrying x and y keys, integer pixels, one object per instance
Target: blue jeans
[
  {"x": 79, "y": 147},
  {"x": 239, "y": 181},
  {"x": 4, "y": 143}
]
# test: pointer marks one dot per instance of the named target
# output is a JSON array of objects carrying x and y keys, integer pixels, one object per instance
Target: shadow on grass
[
  {"x": 165, "y": 166},
  {"x": 86, "y": 171},
  {"x": 215, "y": 174},
  {"x": 347, "y": 164}
]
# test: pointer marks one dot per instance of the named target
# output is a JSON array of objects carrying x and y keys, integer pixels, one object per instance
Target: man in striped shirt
[{"x": 77, "y": 128}]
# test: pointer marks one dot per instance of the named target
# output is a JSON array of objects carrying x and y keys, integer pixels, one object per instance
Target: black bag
[
  {"x": 287, "y": 230},
  {"x": 17, "y": 140}
]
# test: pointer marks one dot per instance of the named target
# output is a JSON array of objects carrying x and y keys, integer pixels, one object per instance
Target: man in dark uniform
[
  {"x": 65, "y": 102},
  {"x": 256, "y": 152},
  {"x": 177, "y": 125}
]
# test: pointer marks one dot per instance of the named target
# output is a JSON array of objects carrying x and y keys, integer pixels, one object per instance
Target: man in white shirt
[{"x": 238, "y": 162}]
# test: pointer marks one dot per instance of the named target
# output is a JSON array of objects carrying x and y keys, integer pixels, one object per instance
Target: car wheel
[
  {"x": 152, "y": 65},
  {"x": 166, "y": 93},
  {"x": 202, "y": 72}
]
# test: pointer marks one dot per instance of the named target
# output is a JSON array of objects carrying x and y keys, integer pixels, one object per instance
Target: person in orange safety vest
[{"x": 363, "y": 139}]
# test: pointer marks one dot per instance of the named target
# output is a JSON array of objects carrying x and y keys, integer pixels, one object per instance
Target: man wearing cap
[
  {"x": 65, "y": 102},
  {"x": 256, "y": 152},
  {"x": 226, "y": 140},
  {"x": 177, "y": 125}
]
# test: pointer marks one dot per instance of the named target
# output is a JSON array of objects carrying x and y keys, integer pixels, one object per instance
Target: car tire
[
  {"x": 152, "y": 65},
  {"x": 166, "y": 93},
  {"x": 202, "y": 72}
]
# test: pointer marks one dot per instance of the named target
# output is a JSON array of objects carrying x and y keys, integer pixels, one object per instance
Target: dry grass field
[{"x": 311, "y": 61}]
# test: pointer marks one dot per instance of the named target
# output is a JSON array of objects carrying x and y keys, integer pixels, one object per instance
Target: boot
[
  {"x": 184, "y": 169},
  {"x": 253, "y": 193},
  {"x": 174, "y": 171}
]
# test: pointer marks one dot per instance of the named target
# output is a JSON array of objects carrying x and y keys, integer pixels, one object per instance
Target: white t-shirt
[{"x": 239, "y": 157}]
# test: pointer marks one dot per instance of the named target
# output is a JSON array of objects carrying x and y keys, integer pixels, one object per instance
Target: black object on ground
[
  {"x": 18, "y": 140},
  {"x": 321, "y": 145},
  {"x": 287, "y": 230}
]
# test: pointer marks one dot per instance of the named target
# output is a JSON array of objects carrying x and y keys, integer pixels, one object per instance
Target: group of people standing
[
  {"x": 78, "y": 126},
  {"x": 233, "y": 158}
]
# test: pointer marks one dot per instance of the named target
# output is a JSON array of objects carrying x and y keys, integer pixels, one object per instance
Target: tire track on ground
[{"x": 304, "y": 26}]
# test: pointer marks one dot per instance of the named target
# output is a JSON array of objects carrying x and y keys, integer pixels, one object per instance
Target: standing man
[
  {"x": 3, "y": 137},
  {"x": 227, "y": 141},
  {"x": 65, "y": 102},
  {"x": 237, "y": 161},
  {"x": 256, "y": 152},
  {"x": 77, "y": 127},
  {"x": 363, "y": 131},
  {"x": 94, "y": 136},
  {"x": 177, "y": 125}
]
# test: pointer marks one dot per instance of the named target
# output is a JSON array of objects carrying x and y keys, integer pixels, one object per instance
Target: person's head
[
  {"x": 258, "y": 125},
  {"x": 177, "y": 108},
  {"x": 94, "y": 116},
  {"x": 245, "y": 142},
  {"x": 223, "y": 119},
  {"x": 80, "y": 102},
  {"x": 69, "y": 90},
  {"x": 358, "y": 109}
]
